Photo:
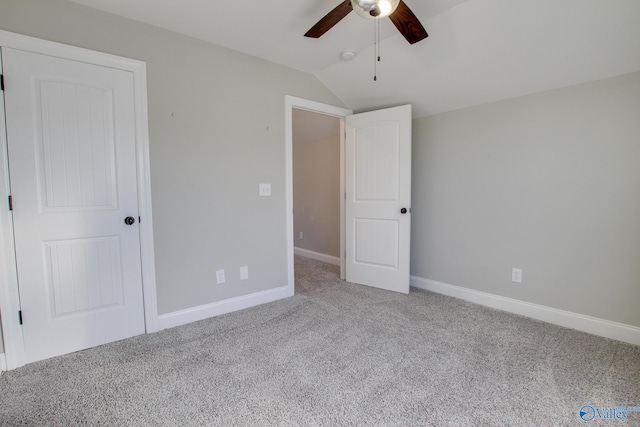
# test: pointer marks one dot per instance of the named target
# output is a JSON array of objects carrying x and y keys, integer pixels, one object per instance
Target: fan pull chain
[
  {"x": 375, "y": 52},
  {"x": 376, "y": 47}
]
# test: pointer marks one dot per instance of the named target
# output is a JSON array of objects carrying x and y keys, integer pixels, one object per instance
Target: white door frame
[
  {"x": 9, "y": 293},
  {"x": 292, "y": 102}
]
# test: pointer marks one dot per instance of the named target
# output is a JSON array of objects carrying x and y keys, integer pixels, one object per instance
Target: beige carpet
[{"x": 336, "y": 354}]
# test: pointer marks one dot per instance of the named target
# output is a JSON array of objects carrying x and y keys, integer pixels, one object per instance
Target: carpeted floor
[{"x": 335, "y": 354}]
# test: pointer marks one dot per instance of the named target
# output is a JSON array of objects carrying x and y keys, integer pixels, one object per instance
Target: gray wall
[
  {"x": 549, "y": 183},
  {"x": 316, "y": 195},
  {"x": 216, "y": 121}
]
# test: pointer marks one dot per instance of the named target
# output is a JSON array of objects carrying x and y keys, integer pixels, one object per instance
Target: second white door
[{"x": 378, "y": 198}]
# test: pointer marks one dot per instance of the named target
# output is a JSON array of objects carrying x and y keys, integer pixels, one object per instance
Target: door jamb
[
  {"x": 9, "y": 295},
  {"x": 292, "y": 102}
]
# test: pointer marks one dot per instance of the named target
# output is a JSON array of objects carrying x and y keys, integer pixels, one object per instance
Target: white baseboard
[
  {"x": 3, "y": 362},
  {"x": 202, "y": 312},
  {"x": 592, "y": 325},
  {"x": 317, "y": 256}
]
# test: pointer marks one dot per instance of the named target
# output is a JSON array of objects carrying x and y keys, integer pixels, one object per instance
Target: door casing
[
  {"x": 10, "y": 300},
  {"x": 292, "y": 102}
]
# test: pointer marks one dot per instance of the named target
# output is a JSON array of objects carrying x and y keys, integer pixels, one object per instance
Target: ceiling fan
[{"x": 399, "y": 13}]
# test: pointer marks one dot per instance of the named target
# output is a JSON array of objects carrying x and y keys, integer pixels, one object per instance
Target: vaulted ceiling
[{"x": 478, "y": 51}]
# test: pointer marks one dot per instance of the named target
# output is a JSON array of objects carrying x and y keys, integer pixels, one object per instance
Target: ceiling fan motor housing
[{"x": 366, "y": 5}]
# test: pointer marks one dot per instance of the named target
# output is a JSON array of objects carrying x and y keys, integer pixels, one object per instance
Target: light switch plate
[{"x": 265, "y": 189}]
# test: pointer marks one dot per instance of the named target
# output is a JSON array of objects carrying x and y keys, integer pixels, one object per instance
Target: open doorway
[{"x": 316, "y": 186}]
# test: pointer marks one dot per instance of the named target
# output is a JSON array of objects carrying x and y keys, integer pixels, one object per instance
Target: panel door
[
  {"x": 378, "y": 198},
  {"x": 72, "y": 163}
]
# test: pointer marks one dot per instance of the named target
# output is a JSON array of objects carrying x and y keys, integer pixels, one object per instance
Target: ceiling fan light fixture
[
  {"x": 385, "y": 7},
  {"x": 372, "y": 9}
]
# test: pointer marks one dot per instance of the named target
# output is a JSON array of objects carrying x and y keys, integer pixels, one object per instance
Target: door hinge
[
  {"x": 1, "y": 81},
  {"x": 10, "y": 203},
  {"x": 20, "y": 316},
  {"x": 139, "y": 220}
]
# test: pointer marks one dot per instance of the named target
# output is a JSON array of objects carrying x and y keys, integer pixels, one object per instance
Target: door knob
[
  {"x": 403, "y": 210},
  {"x": 129, "y": 220}
]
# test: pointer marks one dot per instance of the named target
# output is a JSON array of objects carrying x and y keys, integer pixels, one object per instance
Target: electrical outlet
[
  {"x": 301, "y": 235},
  {"x": 220, "y": 277},
  {"x": 516, "y": 275},
  {"x": 244, "y": 273}
]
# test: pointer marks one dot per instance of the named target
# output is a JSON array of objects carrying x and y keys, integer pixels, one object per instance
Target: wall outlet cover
[
  {"x": 220, "y": 279},
  {"x": 516, "y": 275}
]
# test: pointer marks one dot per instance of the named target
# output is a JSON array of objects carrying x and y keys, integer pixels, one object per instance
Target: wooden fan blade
[
  {"x": 407, "y": 23},
  {"x": 330, "y": 19}
]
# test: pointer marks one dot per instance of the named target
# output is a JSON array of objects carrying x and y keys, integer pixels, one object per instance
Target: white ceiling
[{"x": 478, "y": 51}]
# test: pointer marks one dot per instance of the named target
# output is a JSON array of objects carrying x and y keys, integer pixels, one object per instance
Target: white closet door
[{"x": 72, "y": 163}]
